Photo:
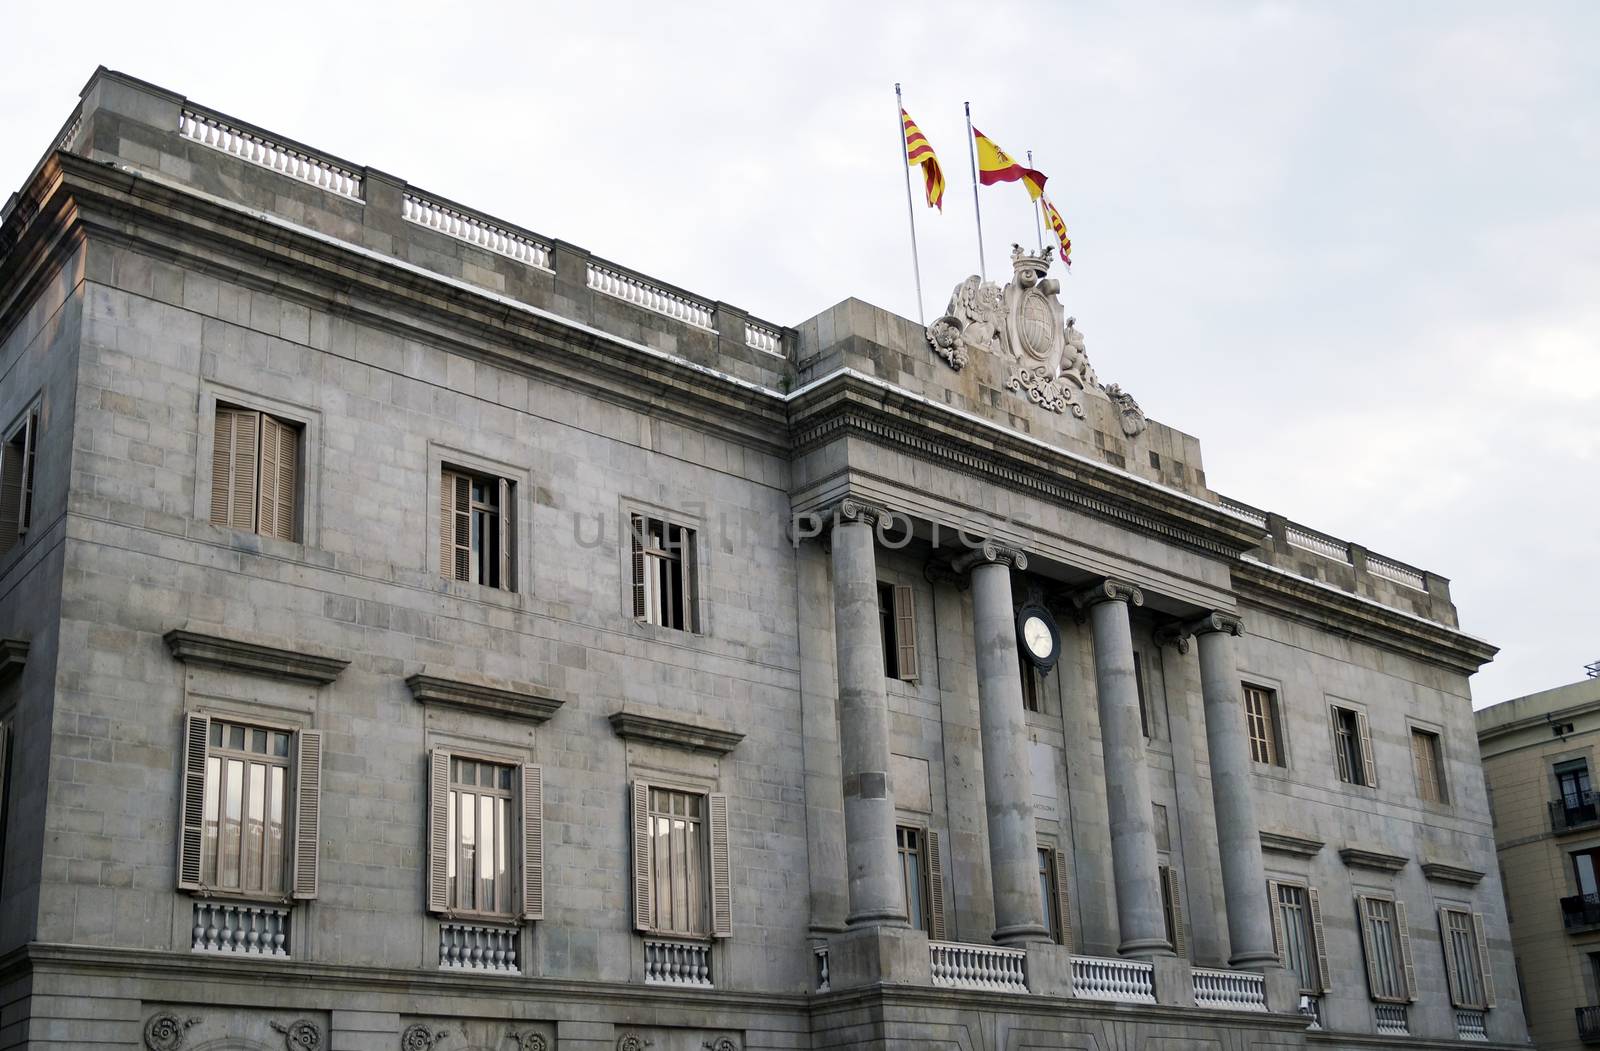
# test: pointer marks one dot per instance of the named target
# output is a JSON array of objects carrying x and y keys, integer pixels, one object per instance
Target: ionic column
[
  {"x": 870, "y": 855},
  {"x": 1238, "y": 835},
  {"x": 1133, "y": 843},
  {"x": 1007, "y": 772}
]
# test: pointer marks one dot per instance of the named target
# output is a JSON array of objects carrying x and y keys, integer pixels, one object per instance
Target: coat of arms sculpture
[{"x": 1025, "y": 321}]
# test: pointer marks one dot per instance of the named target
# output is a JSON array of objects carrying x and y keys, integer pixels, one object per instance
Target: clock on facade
[{"x": 1038, "y": 635}]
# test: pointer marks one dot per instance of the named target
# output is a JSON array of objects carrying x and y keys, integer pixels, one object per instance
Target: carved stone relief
[
  {"x": 165, "y": 1031},
  {"x": 420, "y": 1037},
  {"x": 528, "y": 1040},
  {"x": 300, "y": 1035},
  {"x": 631, "y": 1042}
]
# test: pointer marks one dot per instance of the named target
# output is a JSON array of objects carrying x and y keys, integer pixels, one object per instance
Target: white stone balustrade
[
  {"x": 1230, "y": 990},
  {"x": 677, "y": 963},
  {"x": 1405, "y": 576},
  {"x": 1390, "y": 1019},
  {"x": 479, "y": 947},
  {"x": 1327, "y": 546},
  {"x": 823, "y": 984},
  {"x": 960, "y": 966},
  {"x": 641, "y": 293},
  {"x": 1471, "y": 1025},
  {"x": 257, "y": 149},
  {"x": 238, "y": 928},
  {"x": 1311, "y": 1007},
  {"x": 1103, "y": 978},
  {"x": 760, "y": 337},
  {"x": 475, "y": 231},
  {"x": 1244, "y": 511}
]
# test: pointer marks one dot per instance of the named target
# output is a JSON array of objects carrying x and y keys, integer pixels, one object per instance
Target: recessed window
[
  {"x": 897, "y": 627},
  {"x": 921, "y": 881},
  {"x": 1352, "y": 747},
  {"x": 255, "y": 473},
  {"x": 1172, "y": 910},
  {"x": 681, "y": 863},
  {"x": 1387, "y": 942},
  {"x": 478, "y": 834},
  {"x": 7, "y": 736},
  {"x": 1297, "y": 933},
  {"x": 665, "y": 577},
  {"x": 1032, "y": 694},
  {"x": 476, "y": 539},
  {"x": 1053, "y": 892},
  {"x": 17, "y": 458},
  {"x": 1138, "y": 686},
  {"x": 1261, "y": 722},
  {"x": 1426, "y": 763},
  {"x": 1466, "y": 958}
]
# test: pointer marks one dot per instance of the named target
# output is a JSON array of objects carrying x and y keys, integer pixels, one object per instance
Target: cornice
[
  {"x": 1367, "y": 858},
  {"x": 1443, "y": 872},
  {"x": 452, "y": 688},
  {"x": 1291, "y": 844},
  {"x": 234, "y": 652},
  {"x": 690, "y": 733},
  {"x": 13, "y": 656}
]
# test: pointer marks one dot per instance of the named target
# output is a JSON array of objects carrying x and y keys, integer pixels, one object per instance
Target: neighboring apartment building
[
  {"x": 1539, "y": 759},
  {"x": 421, "y": 634}
]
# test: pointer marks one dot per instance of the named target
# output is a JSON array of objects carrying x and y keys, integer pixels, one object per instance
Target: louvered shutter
[
  {"x": 508, "y": 536},
  {"x": 1314, "y": 905},
  {"x": 532, "y": 842},
  {"x": 280, "y": 470},
  {"x": 1368, "y": 950},
  {"x": 936, "y": 928},
  {"x": 1405, "y": 949},
  {"x": 1369, "y": 768},
  {"x": 438, "y": 831},
  {"x": 1452, "y": 972},
  {"x": 307, "y": 812},
  {"x": 1180, "y": 926},
  {"x": 636, "y": 538},
  {"x": 192, "y": 801},
  {"x": 1483, "y": 960},
  {"x": 1063, "y": 900},
  {"x": 267, "y": 486},
  {"x": 1276, "y": 911},
  {"x": 222, "y": 467},
  {"x": 644, "y": 911},
  {"x": 244, "y": 465},
  {"x": 905, "y": 632},
  {"x": 30, "y": 451},
  {"x": 721, "y": 868},
  {"x": 691, "y": 580},
  {"x": 1341, "y": 761},
  {"x": 10, "y": 497},
  {"x": 461, "y": 532},
  {"x": 447, "y": 525}
]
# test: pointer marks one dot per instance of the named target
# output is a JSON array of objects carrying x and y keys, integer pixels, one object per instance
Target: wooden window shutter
[
  {"x": 245, "y": 459},
  {"x": 30, "y": 453},
  {"x": 267, "y": 483},
  {"x": 10, "y": 497},
  {"x": 905, "y": 632},
  {"x": 936, "y": 926},
  {"x": 636, "y": 539},
  {"x": 438, "y": 831},
  {"x": 1369, "y": 768},
  {"x": 532, "y": 842},
  {"x": 280, "y": 469},
  {"x": 508, "y": 536},
  {"x": 721, "y": 868},
  {"x": 1180, "y": 926},
  {"x": 691, "y": 580},
  {"x": 644, "y": 906},
  {"x": 307, "y": 812},
  {"x": 1277, "y": 918},
  {"x": 192, "y": 801},
  {"x": 1319, "y": 935},
  {"x": 1368, "y": 950},
  {"x": 1483, "y": 960},
  {"x": 447, "y": 524},
  {"x": 1340, "y": 761},
  {"x": 1063, "y": 899},
  {"x": 1405, "y": 949},
  {"x": 1452, "y": 972}
]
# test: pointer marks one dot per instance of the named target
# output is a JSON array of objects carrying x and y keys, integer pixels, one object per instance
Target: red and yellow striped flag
[
  {"x": 996, "y": 165},
  {"x": 1059, "y": 225},
  {"x": 919, "y": 152}
]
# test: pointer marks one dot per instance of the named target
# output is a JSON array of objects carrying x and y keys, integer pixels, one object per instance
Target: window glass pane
[
  {"x": 236, "y": 737},
  {"x": 453, "y": 895},
  {"x": 487, "y": 849},
  {"x": 232, "y": 818},
  {"x": 258, "y": 741},
  {"x": 502, "y": 855},
  {"x": 274, "y": 861},
  {"x": 216, "y": 734},
  {"x": 208, "y": 859},
  {"x": 255, "y": 824},
  {"x": 280, "y": 744},
  {"x": 469, "y": 851}
]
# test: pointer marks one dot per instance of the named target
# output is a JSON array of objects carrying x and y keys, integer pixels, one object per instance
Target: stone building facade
[
  {"x": 422, "y": 634},
  {"x": 1539, "y": 758}
]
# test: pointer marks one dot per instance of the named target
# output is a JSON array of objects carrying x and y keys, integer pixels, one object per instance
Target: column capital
[
  {"x": 1215, "y": 621},
  {"x": 853, "y": 509},
  {"x": 939, "y": 571},
  {"x": 989, "y": 552},
  {"x": 1108, "y": 590}
]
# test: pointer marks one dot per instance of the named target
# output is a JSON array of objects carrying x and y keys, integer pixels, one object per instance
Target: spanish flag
[
  {"x": 919, "y": 152},
  {"x": 996, "y": 165},
  {"x": 1059, "y": 225}
]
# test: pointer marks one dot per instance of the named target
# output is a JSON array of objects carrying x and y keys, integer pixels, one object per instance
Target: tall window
[
  {"x": 1172, "y": 909},
  {"x": 1138, "y": 686},
  {"x": 1053, "y": 892},
  {"x": 665, "y": 588},
  {"x": 255, "y": 473},
  {"x": 1261, "y": 721},
  {"x": 1352, "y": 747},
  {"x": 16, "y": 480},
  {"x": 1425, "y": 762},
  {"x": 897, "y": 627},
  {"x": 476, "y": 539},
  {"x": 681, "y": 864},
  {"x": 1032, "y": 700},
  {"x": 478, "y": 866},
  {"x": 1297, "y": 929},
  {"x": 7, "y": 733},
  {"x": 1466, "y": 958},
  {"x": 913, "y": 874},
  {"x": 1388, "y": 949},
  {"x": 1586, "y": 870},
  {"x": 1572, "y": 783}
]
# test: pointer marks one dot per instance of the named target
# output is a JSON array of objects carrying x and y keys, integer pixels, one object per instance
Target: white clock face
[{"x": 1036, "y": 636}]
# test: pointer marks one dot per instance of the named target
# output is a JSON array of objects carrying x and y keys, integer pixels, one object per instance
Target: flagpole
[
  {"x": 1038, "y": 206},
  {"x": 972, "y": 155},
  {"x": 911, "y": 211}
]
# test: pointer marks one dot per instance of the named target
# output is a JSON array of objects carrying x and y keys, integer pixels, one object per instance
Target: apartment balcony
[
  {"x": 1589, "y": 1025},
  {"x": 1580, "y": 912},
  {"x": 1575, "y": 815}
]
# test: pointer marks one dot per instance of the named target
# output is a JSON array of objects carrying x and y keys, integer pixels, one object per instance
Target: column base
[
  {"x": 876, "y": 918},
  {"x": 1256, "y": 960},
  {"x": 1049, "y": 969},
  {"x": 1021, "y": 934},
  {"x": 1145, "y": 947},
  {"x": 873, "y": 955}
]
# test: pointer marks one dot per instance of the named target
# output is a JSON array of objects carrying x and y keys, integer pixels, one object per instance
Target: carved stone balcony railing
[
  {"x": 1589, "y": 1024},
  {"x": 258, "y": 149},
  {"x": 677, "y": 963},
  {"x": 1471, "y": 1025},
  {"x": 237, "y": 928},
  {"x": 762, "y": 338},
  {"x": 821, "y": 955},
  {"x": 631, "y": 288},
  {"x": 960, "y": 966},
  {"x": 1580, "y": 911},
  {"x": 1391, "y": 1019},
  {"x": 480, "y": 947},
  {"x": 1230, "y": 990},
  {"x": 1311, "y": 1007},
  {"x": 1569, "y": 815},
  {"x": 1398, "y": 572},
  {"x": 1125, "y": 981},
  {"x": 476, "y": 231},
  {"x": 1321, "y": 543},
  {"x": 1255, "y": 514}
]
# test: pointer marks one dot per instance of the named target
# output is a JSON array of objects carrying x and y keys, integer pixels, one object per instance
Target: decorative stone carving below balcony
[
  {"x": 1443, "y": 872},
  {"x": 1365, "y": 858},
  {"x": 690, "y": 733},
  {"x": 452, "y": 688},
  {"x": 13, "y": 655},
  {"x": 236, "y": 652},
  {"x": 1290, "y": 843}
]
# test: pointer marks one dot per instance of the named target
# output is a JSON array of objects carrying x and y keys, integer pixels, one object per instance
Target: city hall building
[{"x": 422, "y": 634}]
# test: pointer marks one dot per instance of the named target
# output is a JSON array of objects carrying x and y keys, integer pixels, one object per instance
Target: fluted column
[
  {"x": 870, "y": 855},
  {"x": 1007, "y": 772},
  {"x": 1133, "y": 843},
  {"x": 1232, "y": 794}
]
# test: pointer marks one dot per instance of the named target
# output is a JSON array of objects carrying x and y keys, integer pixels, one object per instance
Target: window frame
[
  {"x": 1475, "y": 956},
  {"x": 1316, "y": 934},
  {"x": 8, "y": 736},
  {"x": 307, "y": 516},
  {"x": 1359, "y": 738},
  {"x": 1441, "y": 782},
  {"x": 1398, "y": 956},
  {"x": 1271, "y": 719},
  {"x": 697, "y": 608},
  {"x": 507, "y": 835},
  {"x": 503, "y": 560},
  {"x": 716, "y": 859},
  {"x": 897, "y": 631},
  {"x": 525, "y": 873},
  {"x": 930, "y": 877},
  {"x": 27, "y": 424},
  {"x": 221, "y": 753},
  {"x": 1174, "y": 918},
  {"x": 1054, "y": 877}
]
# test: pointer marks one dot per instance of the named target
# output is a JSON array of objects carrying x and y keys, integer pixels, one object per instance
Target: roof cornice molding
[
  {"x": 465, "y": 691},
  {"x": 232, "y": 651}
]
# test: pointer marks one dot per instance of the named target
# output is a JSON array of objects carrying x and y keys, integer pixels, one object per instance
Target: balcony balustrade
[
  {"x": 1230, "y": 990},
  {"x": 1569, "y": 814},
  {"x": 960, "y": 966},
  {"x": 1589, "y": 1025},
  {"x": 1580, "y": 911}
]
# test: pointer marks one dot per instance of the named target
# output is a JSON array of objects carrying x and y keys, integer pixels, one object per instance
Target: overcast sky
[{"x": 1353, "y": 247}]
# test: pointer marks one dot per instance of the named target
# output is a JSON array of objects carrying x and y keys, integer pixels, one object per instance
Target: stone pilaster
[
  {"x": 1007, "y": 773},
  {"x": 1133, "y": 843},
  {"x": 870, "y": 856},
  {"x": 1238, "y": 835}
]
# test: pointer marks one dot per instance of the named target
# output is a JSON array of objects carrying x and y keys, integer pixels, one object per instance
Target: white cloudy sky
[{"x": 1354, "y": 247}]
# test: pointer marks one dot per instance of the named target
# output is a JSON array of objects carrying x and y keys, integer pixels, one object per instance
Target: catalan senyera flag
[
  {"x": 996, "y": 165},
  {"x": 1059, "y": 225},
  {"x": 918, "y": 151}
]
